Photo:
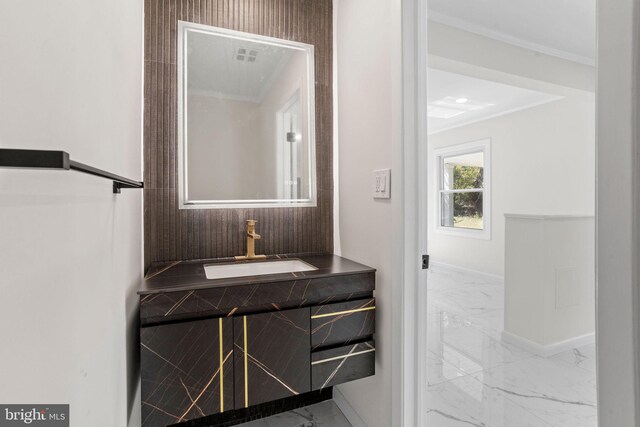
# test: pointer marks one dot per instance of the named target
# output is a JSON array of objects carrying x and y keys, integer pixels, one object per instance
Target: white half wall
[
  {"x": 543, "y": 162},
  {"x": 549, "y": 296},
  {"x": 70, "y": 250},
  {"x": 368, "y": 50}
]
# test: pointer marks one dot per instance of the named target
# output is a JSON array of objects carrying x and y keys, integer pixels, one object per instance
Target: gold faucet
[{"x": 252, "y": 236}]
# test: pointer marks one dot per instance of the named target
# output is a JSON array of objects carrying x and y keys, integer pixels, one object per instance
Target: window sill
[{"x": 464, "y": 232}]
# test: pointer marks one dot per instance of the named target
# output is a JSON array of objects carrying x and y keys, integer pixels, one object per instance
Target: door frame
[
  {"x": 618, "y": 213},
  {"x": 282, "y": 153},
  {"x": 617, "y": 218},
  {"x": 410, "y": 213}
]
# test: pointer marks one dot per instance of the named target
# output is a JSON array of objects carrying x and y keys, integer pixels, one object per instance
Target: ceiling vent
[{"x": 246, "y": 55}]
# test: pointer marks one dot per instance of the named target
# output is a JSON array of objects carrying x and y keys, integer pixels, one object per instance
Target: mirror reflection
[{"x": 247, "y": 128}]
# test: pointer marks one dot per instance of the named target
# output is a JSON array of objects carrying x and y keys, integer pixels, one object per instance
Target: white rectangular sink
[{"x": 226, "y": 271}]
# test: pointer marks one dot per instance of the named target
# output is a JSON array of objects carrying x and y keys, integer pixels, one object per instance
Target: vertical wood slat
[{"x": 173, "y": 234}]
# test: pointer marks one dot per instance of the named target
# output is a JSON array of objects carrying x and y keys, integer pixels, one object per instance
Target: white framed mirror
[{"x": 246, "y": 120}]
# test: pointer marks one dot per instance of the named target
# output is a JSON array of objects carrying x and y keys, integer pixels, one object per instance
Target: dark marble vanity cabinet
[{"x": 212, "y": 346}]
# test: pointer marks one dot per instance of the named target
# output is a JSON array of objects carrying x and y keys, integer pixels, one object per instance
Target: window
[{"x": 463, "y": 189}]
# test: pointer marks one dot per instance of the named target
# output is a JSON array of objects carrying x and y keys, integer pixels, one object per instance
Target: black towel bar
[{"x": 46, "y": 159}]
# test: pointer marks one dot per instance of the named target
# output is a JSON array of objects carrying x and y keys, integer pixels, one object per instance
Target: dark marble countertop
[{"x": 190, "y": 275}]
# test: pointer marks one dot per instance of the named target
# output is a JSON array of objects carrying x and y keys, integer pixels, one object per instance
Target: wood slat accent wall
[{"x": 173, "y": 234}]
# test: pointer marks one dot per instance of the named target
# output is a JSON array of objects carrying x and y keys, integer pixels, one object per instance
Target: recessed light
[
  {"x": 462, "y": 101},
  {"x": 438, "y": 112},
  {"x": 449, "y": 107}
]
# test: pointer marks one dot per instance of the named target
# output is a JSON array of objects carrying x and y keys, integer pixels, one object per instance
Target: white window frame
[{"x": 484, "y": 146}]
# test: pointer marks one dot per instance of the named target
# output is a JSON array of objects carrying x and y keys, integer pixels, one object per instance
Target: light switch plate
[{"x": 382, "y": 184}]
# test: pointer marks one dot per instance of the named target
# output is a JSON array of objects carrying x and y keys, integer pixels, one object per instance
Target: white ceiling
[
  {"x": 214, "y": 67},
  {"x": 487, "y": 99},
  {"x": 564, "y": 28}
]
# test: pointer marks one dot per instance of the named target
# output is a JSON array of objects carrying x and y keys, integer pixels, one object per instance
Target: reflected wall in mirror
[{"x": 246, "y": 120}]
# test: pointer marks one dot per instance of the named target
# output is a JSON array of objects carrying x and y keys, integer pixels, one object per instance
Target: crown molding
[{"x": 480, "y": 30}]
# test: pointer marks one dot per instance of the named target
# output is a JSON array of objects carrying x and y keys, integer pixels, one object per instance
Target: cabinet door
[
  {"x": 272, "y": 356},
  {"x": 187, "y": 370}
]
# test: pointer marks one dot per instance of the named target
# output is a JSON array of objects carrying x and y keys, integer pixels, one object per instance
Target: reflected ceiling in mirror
[{"x": 246, "y": 120}]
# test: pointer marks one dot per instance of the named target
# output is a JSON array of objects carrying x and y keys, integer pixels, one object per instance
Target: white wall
[
  {"x": 224, "y": 148},
  {"x": 618, "y": 214},
  {"x": 70, "y": 250},
  {"x": 368, "y": 51},
  {"x": 543, "y": 162}
]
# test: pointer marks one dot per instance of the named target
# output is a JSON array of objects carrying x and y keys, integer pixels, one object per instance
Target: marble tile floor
[
  {"x": 323, "y": 414},
  {"x": 474, "y": 379}
]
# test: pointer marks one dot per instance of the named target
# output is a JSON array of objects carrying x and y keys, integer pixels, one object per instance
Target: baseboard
[
  {"x": 350, "y": 414},
  {"x": 466, "y": 270},
  {"x": 548, "y": 350}
]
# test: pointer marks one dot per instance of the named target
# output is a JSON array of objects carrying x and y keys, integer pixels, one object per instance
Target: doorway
[
  {"x": 510, "y": 317},
  {"x": 290, "y": 135}
]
